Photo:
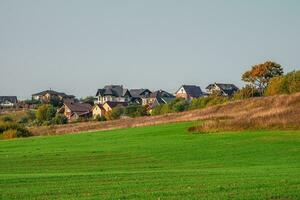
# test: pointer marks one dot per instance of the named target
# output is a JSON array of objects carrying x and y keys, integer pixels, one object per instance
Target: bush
[
  {"x": 135, "y": 111},
  {"x": 31, "y": 115},
  {"x": 100, "y": 118},
  {"x": 115, "y": 113},
  {"x": 180, "y": 106},
  {"x": 24, "y": 120},
  {"x": 60, "y": 119},
  {"x": 7, "y": 119},
  {"x": 204, "y": 102},
  {"x": 287, "y": 84},
  {"x": 157, "y": 110},
  {"x": 246, "y": 92},
  {"x": 45, "y": 113},
  {"x": 56, "y": 101},
  {"x": 9, "y": 134},
  {"x": 21, "y": 130}
]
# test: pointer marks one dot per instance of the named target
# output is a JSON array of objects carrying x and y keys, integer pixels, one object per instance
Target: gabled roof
[
  {"x": 229, "y": 89},
  {"x": 192, "y": 90},
  {"x": 113, "y": 104},
  {"x": 138, "y": 93},
  {"x": 79, "y": 108},
  {"x": 52, "y": 92},
  {"x": 12, "y": 99},
  {"x": 112, "y": 90},
  {"x": 161, "y": 93}
]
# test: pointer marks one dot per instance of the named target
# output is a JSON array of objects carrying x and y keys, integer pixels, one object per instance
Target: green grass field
[{"x": 159, "y": 162}]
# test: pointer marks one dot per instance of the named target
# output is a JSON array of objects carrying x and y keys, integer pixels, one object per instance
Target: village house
[
  {"x": 109, "y": 105},
  {"x": 113, "y": 93},
  {"x": 159, "y": 97},
  {"x": 101, "y": 109},
  {"x": 189, "y": 92},
  {"x": 74, "y": 111},
  {"x": 98, "y": 110},
  {"x": 47, "y": 95},
  {"x": 222, "y": 89},
  {"x": 8, "y": 101},
  {"x": 140, "y": 96}
]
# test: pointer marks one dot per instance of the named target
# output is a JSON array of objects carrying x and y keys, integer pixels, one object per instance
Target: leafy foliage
[
  {"x": 246, "y": 92},
  {"x": 45, "y": 112},
  {"x": 261, "y": 74},
  {"x": 115, "y": 113},
  {"x": 287, "y": 84}
]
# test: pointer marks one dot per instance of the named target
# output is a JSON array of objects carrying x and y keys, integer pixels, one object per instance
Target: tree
[
  {"x": 288, "y": 84},
  {"x": 247, "y": 91},
  {"x": 45, "y": 113},
  {"x": 115, "y": 113},
  {"x": 56, "y": 101},
  {"x": 261, "y": 74}
]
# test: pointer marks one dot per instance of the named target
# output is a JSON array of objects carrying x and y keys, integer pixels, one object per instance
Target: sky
[{"x": 77, "y": 46}]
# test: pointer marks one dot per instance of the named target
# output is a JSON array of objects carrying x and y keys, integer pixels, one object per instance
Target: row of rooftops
[
  {"x": 118, "y": 91},
  {"x": 193, "y": 90}
]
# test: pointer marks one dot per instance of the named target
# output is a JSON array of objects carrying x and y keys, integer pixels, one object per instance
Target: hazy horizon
[{"x": 81, "y": 46}]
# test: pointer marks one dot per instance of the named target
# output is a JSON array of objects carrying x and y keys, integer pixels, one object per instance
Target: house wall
[
  {"x": 97, "y": 111},
  {"x": 68, "y": 112},
  {"x": 106, "y": 107},
  {"x": 181, "y": 93},
  {"x": 103, "y": 99}
]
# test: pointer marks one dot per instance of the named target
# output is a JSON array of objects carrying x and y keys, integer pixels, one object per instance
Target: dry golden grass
[{"x": 280, "y": 112}]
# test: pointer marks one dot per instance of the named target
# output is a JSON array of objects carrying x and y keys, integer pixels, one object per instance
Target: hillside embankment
[{"x": 274, "y": 112}]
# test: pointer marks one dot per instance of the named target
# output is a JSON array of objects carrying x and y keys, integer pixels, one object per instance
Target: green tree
[
  {"x": 45, "y": 112},
  {"x": 115, "y": 113}
]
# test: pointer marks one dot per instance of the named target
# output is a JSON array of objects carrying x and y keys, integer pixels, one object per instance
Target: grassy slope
[{"x": 152, "y": 162}]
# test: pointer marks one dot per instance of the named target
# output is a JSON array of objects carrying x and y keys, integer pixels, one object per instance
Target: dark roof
[
  {"x": 138, "y": 93},
  {"x": 113, "y": 90},
  {"x": 229, "y": 89},
  {"x": 192, "y": 90},
  {"x": 113, "y": 104},
  {"x": 79, "y": 108},
  {"x": 161, "y": 93},
  {"x": 52, "y": 92},
  {"x": 12, "y": 99}
]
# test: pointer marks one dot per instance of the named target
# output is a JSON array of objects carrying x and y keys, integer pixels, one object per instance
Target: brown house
[{"x": 74, "y": 111}]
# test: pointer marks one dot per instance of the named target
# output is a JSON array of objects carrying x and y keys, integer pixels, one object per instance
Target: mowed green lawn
[{"x": 158, "y": 162}]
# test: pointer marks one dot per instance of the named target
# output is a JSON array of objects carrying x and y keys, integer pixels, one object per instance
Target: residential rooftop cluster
[{"x": 111, "y": 96}]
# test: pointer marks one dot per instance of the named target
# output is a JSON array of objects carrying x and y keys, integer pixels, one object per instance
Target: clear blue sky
[{"x": 79, "y": 46}]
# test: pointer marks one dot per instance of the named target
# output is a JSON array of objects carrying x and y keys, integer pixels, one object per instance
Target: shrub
[
  {"x": 21, "y": 130},
  {"x": 246, "y": 92},
  {"x": 45, "y": 113},
  {"x": 100, "y": 118},
  {"x": 156, "y": 110},
  {"x": 24, "y": 120},
  {"x": 9, "y": 134},
  {"x": 60, "y": 119},
  {"x": 7, "y": 118},
  {"x": 287, "y": 84},
  {"x": 180, "y": 106},
  {"x": 31, "y": 115},
  {"x": 135, "y": 111},
  {"x": 115, "y": 113},
  {"x": 204, "y": 102}
]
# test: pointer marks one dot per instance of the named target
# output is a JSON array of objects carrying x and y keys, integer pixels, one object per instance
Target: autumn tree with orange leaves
[{"x": 260, "y": 74}]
